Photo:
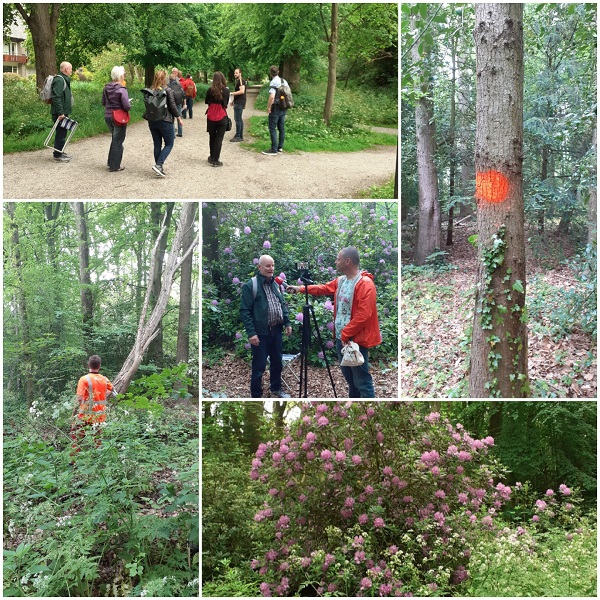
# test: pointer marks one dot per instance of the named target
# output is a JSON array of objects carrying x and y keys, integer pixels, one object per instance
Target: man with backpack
[
  {"x": 179, "y": 96},
  {"x": 265, "y": 315},
  {"x": 354, "y": 315},
  {"x": 93, "y": 391},
  {"x": 189, "y": 87},
  {"x": 61, "y": 106},
  {"x": 277, "y": 108}
]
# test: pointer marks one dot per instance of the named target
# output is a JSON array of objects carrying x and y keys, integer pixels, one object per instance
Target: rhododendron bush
[{"x": 373, "y": 499}]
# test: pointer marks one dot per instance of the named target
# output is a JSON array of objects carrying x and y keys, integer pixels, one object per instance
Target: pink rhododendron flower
[
  {"x": 379, "y": 437},
  {"x": 564, "y": 489},
  {"x": 363, "y": 519},
  {"x": 440, "y": 494},
  {"x": 378, "y": 523},
  {"x": 356, "y": 459},
  {"x": 322, "y": 421},
  {"x": 340, "y": 456},
  {"x": 365, "y": 583},
  {"x": 540, "y": 504},
  {"x": 535, "y": 518},
  {"x": 369, "y": 490},
  {"x": 326, "y": 454},
  {"x": 310, "y": 437},
  {"x": 349, "y": 502},
  {"x": 388, "y": 471}
]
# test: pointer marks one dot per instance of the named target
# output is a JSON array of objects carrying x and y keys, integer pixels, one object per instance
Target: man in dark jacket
[
  {"x": 62, "y": 104},
  {"x": 264, "y": 315}
]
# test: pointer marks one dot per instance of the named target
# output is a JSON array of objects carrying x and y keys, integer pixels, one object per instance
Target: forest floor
[
  {"x": 436, "y": 316},
  {"x": 231, "y": 377},
  {"x": 245, "y": 174}
]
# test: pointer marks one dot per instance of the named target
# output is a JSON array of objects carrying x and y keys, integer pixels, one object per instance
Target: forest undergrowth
[
  {"x": 120, "y": 519},
  {"x": 437, "y": 313}
]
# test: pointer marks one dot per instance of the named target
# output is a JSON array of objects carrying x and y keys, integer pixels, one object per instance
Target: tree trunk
[
  {"x": 278, "y": 412},
  {"x": 543, "y": 177},
  {"x": 332, "y": 65},
  {"x": 155, "y": 350},
  {"x": 429, "y": 235},
  {"x": 185, "y": 295},
  {"x": 87, "y": 298},
  {"x": 291, "y": 70},
  {"x": 592, "y": 213},
  {"x": 149, "y": 324},
  {"x": 148, "y": 75},
  {"x": 452, "y": 144},
  {"x": 496, "y": 420},
  {"x": 42, "y": 21},
  {"x": 51, "y": 212},
  {"x": 253, "y": 411},
  {"x": 26, "y": 368},
  {"x": 499, "y": 348}
]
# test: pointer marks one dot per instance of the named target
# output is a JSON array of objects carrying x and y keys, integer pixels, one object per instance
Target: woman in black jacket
[
  {"x": 217, "y": 97},
  {"x": 163, "y": 129}
]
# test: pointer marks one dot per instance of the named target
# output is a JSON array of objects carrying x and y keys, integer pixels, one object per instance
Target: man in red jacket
[{"x": 354, "y": 315}]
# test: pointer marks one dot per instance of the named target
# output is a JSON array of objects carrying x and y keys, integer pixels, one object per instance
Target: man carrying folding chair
[{"x": 62, "y": 104}]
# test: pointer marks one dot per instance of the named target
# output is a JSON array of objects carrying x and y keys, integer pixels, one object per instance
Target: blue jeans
[
  {"x": 162, "y": 130},
  {"x": 238, "y": 109},
  {"x": 277, "y": 122},
  {"x": 179, "y": 128},
  {"x": 60, "y": 138},
  {"x": 190, "y": 105},
  {"x": 115, "y": 152},
  {"x": 360, "y": 382},
  {"x": 271, "y": 346}
]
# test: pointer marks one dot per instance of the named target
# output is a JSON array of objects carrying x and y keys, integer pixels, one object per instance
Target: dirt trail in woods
[{"x": 245, "y": 174}]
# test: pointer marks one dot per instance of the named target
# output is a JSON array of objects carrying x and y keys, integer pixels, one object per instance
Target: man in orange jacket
[
  {"x": 355, "y": 316},
  {"x": 93, "y": 390}
]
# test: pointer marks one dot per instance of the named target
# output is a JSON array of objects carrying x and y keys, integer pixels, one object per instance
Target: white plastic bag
[{"x": 351, "y": 355}]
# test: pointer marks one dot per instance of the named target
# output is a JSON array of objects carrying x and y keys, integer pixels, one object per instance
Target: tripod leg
[
  {"x": 312, "y": 310},
  {"x": 304, "y": 351}
]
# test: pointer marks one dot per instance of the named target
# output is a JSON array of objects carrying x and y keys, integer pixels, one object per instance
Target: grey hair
[{"x": 117, "y": 73}]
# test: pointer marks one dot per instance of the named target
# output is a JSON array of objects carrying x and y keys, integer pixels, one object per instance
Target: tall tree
[
  {"x": 85, "y": 282},
  {"x": 592, "y": 210},
  {"x": 185, "y": 294},
  {"x": 149, "y": 323},
  {"x": 42, "y": 20},
  {"x": 155, "y": 350},
  {"x": 499, "y": 347},
  {"x": 429, "y": 234},
  {"x": 332, "y": 40}
]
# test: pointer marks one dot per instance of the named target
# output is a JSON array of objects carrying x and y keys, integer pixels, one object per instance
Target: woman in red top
[{"x": 217, "y": 97}]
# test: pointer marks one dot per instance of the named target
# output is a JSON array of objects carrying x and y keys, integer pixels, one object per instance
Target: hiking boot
[
  {"x": 270, "y": 152},
  {"x": 158, "y": 170}
]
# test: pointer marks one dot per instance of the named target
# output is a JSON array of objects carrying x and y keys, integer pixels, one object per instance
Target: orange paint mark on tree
[{"x": 491, "y": 186}]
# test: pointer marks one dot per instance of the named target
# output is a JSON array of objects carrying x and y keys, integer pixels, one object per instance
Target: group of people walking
[{"x": 177, "y": 95}]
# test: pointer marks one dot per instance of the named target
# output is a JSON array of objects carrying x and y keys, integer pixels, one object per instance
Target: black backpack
[
  {"x": 178, "y": 93},
  {"x": 156, "y": 104}
]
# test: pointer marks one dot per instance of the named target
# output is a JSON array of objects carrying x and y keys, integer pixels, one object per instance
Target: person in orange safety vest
[{"x": 93, "y": 390}]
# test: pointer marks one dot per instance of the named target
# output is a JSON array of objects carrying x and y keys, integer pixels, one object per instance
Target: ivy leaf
[{"x": 518, "y": 286}]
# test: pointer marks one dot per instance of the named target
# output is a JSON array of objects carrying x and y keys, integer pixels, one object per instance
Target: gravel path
[{"x": 245, "y": 174}]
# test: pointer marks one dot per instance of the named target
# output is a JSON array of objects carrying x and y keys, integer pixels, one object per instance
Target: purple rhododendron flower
[
  {"x": 340, "y": 456},
  {"x": 356, "y": 459},
  {"x": 247, "y": 230},
  {"x": 215, "y": 302},
  {"x": 330, "y": 326},
  {"x": 363, "y": 519},
  {"x": 300, "y": 317},
  {"x": 326, "y": 454},
  {"x": 321, "y": 355},
  {"x": 235, "y": 280},
  {"x": 227, "y": 251},
  {"x": 378, "y": 523},
  {"x": 329, "y": 344},
  {"x": 365, "y": 583},
  {"x": 266, "y": 244},
  {"x": 535, "y": 518},
  {"x": 322, "y": 421}
]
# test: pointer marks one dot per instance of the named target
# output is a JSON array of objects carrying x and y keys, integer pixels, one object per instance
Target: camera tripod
[{"x": 307, "y": 311}]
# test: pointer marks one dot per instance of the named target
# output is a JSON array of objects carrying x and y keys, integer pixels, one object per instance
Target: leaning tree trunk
[
  {"x": 149, "y": 323},
  {"x": 499, "y": 348},
  {"x": 429, "y": 234}
]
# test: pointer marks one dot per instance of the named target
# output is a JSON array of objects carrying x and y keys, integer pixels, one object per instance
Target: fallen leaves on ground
[
  {"x": 436, "y": 316},
  {"x": 232, "y": 378}
]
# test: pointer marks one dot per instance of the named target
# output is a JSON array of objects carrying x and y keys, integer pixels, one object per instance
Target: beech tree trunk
[
  {"x": 185, "y": 295},
  {"x": 150, "y": 320},
  {"x": 499, "y": 347},
  {"x": 429, "y": 234},
  {"x": 85, "y": 282},
  {"x": 42, "y": 20},
  {"x": 332, "y": 65},
  {"x": 290, "y": 68}
]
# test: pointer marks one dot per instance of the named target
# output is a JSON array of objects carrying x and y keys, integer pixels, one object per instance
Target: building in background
[{"x": 14, "y": 54}]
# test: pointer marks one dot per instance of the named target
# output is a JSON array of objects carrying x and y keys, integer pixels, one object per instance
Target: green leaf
[{"x": 518, "y": 286}]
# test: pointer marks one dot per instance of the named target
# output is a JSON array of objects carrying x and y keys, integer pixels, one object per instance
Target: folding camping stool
[
  {"x": 288, "y": 360},
  {"x": 66, "y": 123}
]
